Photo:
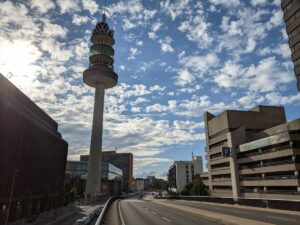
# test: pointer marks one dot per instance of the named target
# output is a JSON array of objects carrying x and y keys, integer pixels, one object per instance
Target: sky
[{"x": 175, "y": 60}]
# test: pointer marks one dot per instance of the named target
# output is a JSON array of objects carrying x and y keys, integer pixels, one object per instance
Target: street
[{"x": 149, "y": 211}]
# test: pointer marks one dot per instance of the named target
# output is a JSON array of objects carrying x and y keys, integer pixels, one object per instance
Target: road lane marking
[
  {"x": 280, "y": 218},
  {"x": 120, "y": 213},
  {"x": 166, "y": 219},
  {"x": 153, "y": 212}
]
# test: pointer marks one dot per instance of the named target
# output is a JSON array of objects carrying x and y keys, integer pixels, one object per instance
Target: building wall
[
  {"x": 229, "y": 129},
  {"x": 124, "y": 161},
  {"x": 139, "y": 184},
  {"x": 182, "y": 172},
  {"x": 31, "y": 144},
  {"x": 291, "y": 10},
  {"x": 269, "y": 167}
]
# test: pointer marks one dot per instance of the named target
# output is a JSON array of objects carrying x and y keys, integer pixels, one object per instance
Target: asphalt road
[
  {"x": 149, "y": 211},
  {"x": 141, "y": 212}
]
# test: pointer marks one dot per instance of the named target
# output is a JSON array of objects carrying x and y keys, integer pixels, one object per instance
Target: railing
[
  {"x": 268, "y": 178},
  {"x": 264, "y": 151},
  {"x": 100, "y": 219},
  {"x": 276, "y": 163}
]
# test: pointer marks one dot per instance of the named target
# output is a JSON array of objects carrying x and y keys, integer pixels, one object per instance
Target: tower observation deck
[{"x": 101, "y": 76}]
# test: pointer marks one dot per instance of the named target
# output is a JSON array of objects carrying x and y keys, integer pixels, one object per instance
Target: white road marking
[
  {"x": 153, "y": 212},
  {"x": 280, "y": 218},
  {"x": 120, "y": 213},
  {"x": 166, "y": 219}
]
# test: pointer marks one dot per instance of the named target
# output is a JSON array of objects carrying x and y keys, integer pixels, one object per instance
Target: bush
[{"x": 196, "y": 187}]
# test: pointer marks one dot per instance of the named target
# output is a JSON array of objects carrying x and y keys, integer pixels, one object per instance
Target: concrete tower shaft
[{"x": 101, "y": 76}]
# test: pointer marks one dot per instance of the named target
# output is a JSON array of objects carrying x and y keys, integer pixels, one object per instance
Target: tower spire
[{"x": 101, "y": 76}]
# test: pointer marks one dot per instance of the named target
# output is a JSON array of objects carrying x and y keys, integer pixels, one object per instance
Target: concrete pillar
[{"x": 93, "y": 183}]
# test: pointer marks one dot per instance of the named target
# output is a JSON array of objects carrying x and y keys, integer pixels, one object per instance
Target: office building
[
  {"x": 291, "y": 11},
  {"x": 182, "y": 172},
  {"x": 32, "y": 156},
  {"x": 139, "y": 184},
  {"x": 100, "y": 75},
  {"x": 124, "y": 161},
  {"x": 76, "y": 175},
  {"x": 238, "y": 166}
]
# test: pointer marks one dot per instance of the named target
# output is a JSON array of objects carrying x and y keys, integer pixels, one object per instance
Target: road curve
[{"x": 135, "y": 211}]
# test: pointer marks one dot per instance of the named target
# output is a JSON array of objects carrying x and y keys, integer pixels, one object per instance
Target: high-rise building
[
  {"x": 248, "y": 152},
  {"x": 182, "y": 172},
  {"x": 100, "y": 75},
  {"x": 32, "y": 156},
  {"x": 291, "y": 10},
  {"x": 124, "y": 161}
]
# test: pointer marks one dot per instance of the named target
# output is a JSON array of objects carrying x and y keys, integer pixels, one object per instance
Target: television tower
[{"x": 100, "y": 75}]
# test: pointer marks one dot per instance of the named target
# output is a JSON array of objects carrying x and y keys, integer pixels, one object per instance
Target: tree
[
  {"x": 160, "y": 184},
  {"x": 196, "y": 187}
]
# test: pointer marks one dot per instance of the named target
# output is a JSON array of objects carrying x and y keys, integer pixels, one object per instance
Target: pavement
[
  {"x": 149, "y": 211},
  {"x": 66, "y": 215}
]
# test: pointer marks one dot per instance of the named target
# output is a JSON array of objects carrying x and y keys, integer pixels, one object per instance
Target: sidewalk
[{"x": 63, "y": 215}]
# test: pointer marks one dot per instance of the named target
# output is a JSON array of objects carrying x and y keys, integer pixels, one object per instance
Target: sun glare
[{"x": 17, "y": 61}]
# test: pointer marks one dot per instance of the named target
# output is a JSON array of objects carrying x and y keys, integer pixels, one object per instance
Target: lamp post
[{"x": 11, "y": 195}]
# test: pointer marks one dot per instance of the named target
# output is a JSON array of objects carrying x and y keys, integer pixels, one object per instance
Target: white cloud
[
  {"x": 174, "y": 9},
  {"x": 54, "y": 30},
  {"x": 133, "y": 53},
  {"x": 79, "y": 20},
  {"x": 122, "y": 67},
  {"x": 197, "y": 29},
  {"x": 266, "y": 76},
  {"x": 68, "y": 6},
  {"x": 165, "y": 44},
  {"x": 258, "y": 2},
  {"x": 227, "y": 3},
  {"x": 200, "y": 63},
  {"x": 42, "y": 5},
  {"x": 91, "y": 6},
  {"x": 132, "y": 13},
  {"x": 183, "y": 78},
  {"x": 282, "y": 50},
  {"x": 275, "y": 98}
]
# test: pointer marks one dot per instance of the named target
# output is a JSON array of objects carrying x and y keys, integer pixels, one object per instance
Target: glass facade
[{"x": 109, "y": 171}]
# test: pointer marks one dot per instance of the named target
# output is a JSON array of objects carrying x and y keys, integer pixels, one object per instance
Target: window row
[{"x": 293, "y": 18}]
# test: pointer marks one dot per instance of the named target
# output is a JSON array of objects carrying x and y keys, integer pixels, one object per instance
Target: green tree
[{"x": 196, "y": 188}]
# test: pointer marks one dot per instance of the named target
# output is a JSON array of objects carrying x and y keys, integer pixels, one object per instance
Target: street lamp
[{"x": 11, "y": 195}]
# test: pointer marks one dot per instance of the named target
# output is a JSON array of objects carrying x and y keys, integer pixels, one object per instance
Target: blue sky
[{"x": 175, "y": 60}]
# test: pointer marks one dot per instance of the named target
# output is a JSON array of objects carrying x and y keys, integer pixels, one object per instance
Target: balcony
[
  {"x": 268, "y": 154},
  {"x": 270, "y": 182},
  {"x": 290, "y": 166}
]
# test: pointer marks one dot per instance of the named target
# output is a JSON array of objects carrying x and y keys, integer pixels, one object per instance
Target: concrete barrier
[{"x": 263, "y": 203}]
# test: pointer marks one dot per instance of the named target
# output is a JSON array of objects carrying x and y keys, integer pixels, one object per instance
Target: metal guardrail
[{"x": 100, "y": 219}]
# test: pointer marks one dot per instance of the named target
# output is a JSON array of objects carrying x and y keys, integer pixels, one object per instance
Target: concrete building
[
  {"x": 111, "y": 177},
  {"x": 100, "y": 75},
  {"x": 32, "y": 156},
  {"x": 139, "y": 184},
  {"x": 182, "y": 172},
  {"x": 124, "y": 161},
  {"x": 237, "y": 166},
  {"x": 269, "y": 166},
  {"x": 291, "y": 10}
]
